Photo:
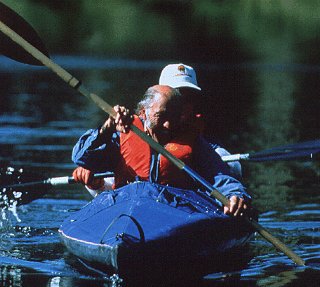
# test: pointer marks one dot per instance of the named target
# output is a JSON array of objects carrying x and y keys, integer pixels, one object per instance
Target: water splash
[{"x": 9, "y": 204}]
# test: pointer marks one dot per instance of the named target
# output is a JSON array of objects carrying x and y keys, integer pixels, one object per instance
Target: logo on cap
[{"x": 183, "y": 71}]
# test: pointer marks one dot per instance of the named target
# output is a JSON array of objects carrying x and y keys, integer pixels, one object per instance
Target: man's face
[{"x": 161, "y": 116}]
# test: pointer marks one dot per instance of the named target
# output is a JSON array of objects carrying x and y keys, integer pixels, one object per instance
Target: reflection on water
[{"x": 41, "y": 119}]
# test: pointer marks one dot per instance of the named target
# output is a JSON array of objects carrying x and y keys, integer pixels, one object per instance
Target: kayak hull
[{"x": 153, "y": 228}]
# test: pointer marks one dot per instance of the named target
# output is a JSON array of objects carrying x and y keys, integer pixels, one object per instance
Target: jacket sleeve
[
  {"x": 209, "y": 164},
  {"x": 96, "y": 154},
  {"x": 229, "y": 186},
  {"x": 235, "y": 166}
]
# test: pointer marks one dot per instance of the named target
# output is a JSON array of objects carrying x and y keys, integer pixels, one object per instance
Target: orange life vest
[{"x": 137, "y": 160}]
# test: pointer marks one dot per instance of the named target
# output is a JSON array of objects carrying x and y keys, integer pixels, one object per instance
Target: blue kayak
[{"x": 150, "y": 227}]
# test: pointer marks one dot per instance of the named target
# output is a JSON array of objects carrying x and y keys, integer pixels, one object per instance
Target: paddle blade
[{"x": 12, "y": 50}]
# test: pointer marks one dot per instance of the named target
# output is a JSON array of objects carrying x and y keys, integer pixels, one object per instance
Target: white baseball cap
[{"x": 178, "y": 76}]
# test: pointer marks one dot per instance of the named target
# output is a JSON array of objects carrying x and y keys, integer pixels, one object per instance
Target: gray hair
[{"x": 150, "y": 94}]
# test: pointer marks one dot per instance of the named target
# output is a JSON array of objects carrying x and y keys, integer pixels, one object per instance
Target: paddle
[
  {"x": 13, "y": 50},
  {"x": 287, "y": 152},
  {"x": 9, "y": 176},
  {"x": 73, "y": 82},
  {"x": 18, "y": 187},
  {"x": 53, "y": 181}
]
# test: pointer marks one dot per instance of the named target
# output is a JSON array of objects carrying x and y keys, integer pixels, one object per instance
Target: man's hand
[
  {"x": 121, "y": 122},
  {"x": 85, "y": 176},
  {"x": 237, "y": 206}
]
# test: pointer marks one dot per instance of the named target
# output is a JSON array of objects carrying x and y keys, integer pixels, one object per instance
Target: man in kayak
[
  {"x": 184, "y": 78},
  {"x": 114, "y": 147}
]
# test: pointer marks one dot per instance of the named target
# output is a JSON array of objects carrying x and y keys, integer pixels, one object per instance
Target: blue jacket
[{"x": 100, "y": 155}]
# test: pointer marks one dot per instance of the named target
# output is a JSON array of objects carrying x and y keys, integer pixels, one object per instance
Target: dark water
[{"x": 41, "y": 119}]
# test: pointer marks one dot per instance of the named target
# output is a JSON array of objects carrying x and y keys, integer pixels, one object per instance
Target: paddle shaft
[
  {"x": 53, "y": 181},
  {"x": 76, "y": 84},
  {"x": 287, "y": 152},
  {"x": 270, "y": 157}
]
